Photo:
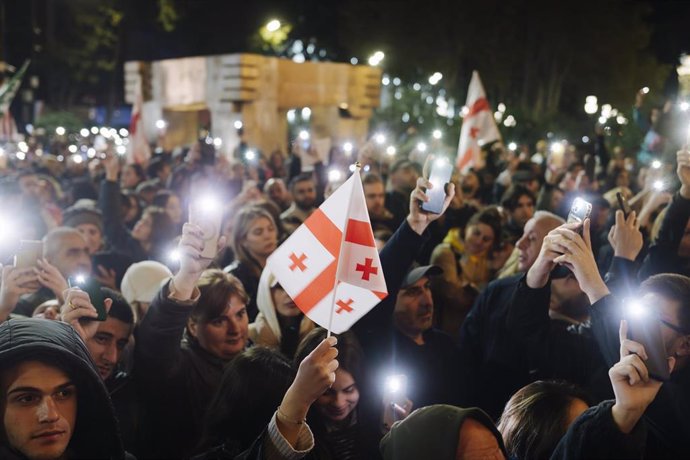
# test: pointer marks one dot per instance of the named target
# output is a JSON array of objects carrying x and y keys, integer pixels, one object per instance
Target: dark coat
[
  {"x": 667, "y": 416},
  {"x": 96, "y": 432},
  {"x": 556, "y": 349},
  {"x": 663, "y": 254},
  {"x": 594, "y": 435},
  {"x": 493, "y": 368},
  {"x": 430, "y": 368},
  {"x": 176, "y": 378},
  {"x": 117, "y": 234}
]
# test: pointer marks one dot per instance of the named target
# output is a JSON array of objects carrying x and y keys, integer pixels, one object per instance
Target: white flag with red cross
[
  {"x": 478, "y": 126},
  {"x": 139, "y": 151},
  {"x": 329, "y": 265}
]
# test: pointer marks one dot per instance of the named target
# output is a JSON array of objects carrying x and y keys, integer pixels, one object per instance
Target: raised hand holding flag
[{"x": 329, "y": 265}]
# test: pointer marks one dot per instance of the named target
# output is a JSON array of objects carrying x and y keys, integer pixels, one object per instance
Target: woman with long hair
[
  {"x": 344, "y": 421},
  {"x": 254, "y": 238}
]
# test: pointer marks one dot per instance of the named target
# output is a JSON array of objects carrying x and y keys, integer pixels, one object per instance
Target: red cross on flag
[
  {"x": 478, "y": 126},
  {"x": 139, "y": 151},
  {"x": 329, "y": 265}
]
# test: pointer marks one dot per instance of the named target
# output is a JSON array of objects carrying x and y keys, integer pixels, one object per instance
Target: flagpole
[{"x": 358, "y": 166}]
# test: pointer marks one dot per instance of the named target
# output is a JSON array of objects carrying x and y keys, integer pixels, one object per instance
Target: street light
[
  {"x": 273, "y": 25},
  {"x": 435, "y": 78},
  {"x": 376, "y": 58}
]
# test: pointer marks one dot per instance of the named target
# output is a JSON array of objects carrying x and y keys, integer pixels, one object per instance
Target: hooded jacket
[
  {"x": 434, "y": 432},
  {"x": 265, "y": 330},
  {"x": 96, "y": 432}
]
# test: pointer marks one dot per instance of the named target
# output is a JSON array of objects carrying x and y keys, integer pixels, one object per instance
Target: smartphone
[
  {"x": 30, "y": 251},
  {"x": 646, "y": 330},
  {"x": 207, "y": 214},
  {"x": 623, "y": 205},
  {"x": 396, "y": 389},
  {"x": 28, "y": 254},
  {"x": 579, "y": 211},
  {"x": 441, "y": 171},
  {"x": 93, "y": 289}
]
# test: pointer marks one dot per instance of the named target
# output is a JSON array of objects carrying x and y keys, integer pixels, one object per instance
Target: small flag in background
[
  {"x": 329, "y": 265},
  {"x": 8, "y": 90},
  {"x": 139, "y": 151},
  {"x": 478, "y": 126}
]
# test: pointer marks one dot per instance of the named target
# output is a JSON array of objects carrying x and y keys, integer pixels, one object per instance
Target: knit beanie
[{"x": 143, "y": 280}]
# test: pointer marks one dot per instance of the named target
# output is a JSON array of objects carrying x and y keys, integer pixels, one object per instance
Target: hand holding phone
[
  {"x": 441, "y": 172},
  {"x": 396, "y": 405},
  {"x": 207, "y": 213},
  {"x": 30, "y": 251},
  {"x": 623, "y": 204},
  {"x": 28, "y": 255},
  {"x": 579, "y": 211},
  {"x": 644, "y": 329},
  {"x": 95, "y": 295}
]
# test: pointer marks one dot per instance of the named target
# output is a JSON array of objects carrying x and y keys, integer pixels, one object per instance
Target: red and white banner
[
  {"x": 139, "y": 150},
  {"x": 330, "y": 263},
  {"x": 478, "y": 126}
]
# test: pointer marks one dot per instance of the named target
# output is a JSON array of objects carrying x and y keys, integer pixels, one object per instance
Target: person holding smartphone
[{"x": 668, "y": 298}]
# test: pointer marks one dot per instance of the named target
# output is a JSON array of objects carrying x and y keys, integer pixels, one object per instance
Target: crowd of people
[{"x": 508, "y": 332}]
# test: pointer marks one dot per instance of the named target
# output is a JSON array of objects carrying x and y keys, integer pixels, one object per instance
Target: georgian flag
[
  {"x": 329, "y": 265},
  {"x": 478, "y": 126},
  {"x": 139, "y": 151}
]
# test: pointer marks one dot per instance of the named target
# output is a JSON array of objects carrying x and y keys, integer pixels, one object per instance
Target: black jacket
[
  {"x": 430, "y": 368},
  {"x": 667, "y": 416},
  {"x": 594, "y": 435},
  {"x": 176, "y": 379},
  {"x": 556, "y": 349},
  {"x": 117, "y": 234},
  {"x": 663, "y": 254},
  {"x": 96, "y": 432},
  {"x": 493, "y": 368}
]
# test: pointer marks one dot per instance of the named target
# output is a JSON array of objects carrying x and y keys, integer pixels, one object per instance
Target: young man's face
[
  {"x": 375, "y": 196},
  {"x": 304, "y": 194},
  {"x": 524, "y": 210},
  {"x": 39, "y": 410},
  {"x": 106, "y": 346},
  {"x": 93, "y": 236}
]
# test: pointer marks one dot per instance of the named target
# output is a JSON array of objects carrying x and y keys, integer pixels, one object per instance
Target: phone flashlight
[
  {"x": 207, "y": 213},
  {"x": 656, "y": 164},
  {"x": 174, "y": 255},
  {"x": 658, "y": 185},
  {"x": 644, "y": 327},
  {"x": 93, "y": 289},
  {"x": 394, "y": 383},
  {"x": 250, "y": 155},
  {"x": 645, "y": 90},
  {"x": 334, "y": 175},
  {"x": 304, "y": 137},
  {"x": 636, "y": 310}
]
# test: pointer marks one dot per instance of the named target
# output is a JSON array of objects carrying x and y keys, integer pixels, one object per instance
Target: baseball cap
[{"x": 417, "y": 273}]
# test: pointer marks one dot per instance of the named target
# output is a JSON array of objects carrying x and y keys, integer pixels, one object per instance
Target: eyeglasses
[{"x": 674, "y": 328}]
